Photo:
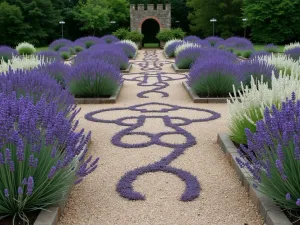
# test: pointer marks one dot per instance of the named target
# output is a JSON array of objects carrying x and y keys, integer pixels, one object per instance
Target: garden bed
[
  {"x": 177, "y": 70},
  {"x": 271, "y": 213},
  {"x": 197, "y": 99},
  {"x": 111, "y": 99},
  {"x": 128, "y": 69}
]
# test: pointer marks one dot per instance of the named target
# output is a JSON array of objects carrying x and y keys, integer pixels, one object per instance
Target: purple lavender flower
[
  {"x": 20, "y": 191},
  {"x": 20, "y": 150},
  {"x": 170, "y": 49},
  {"x": 1, "y": 159},
  {"x": 288, "y": 196},
  {"x": 87, "y": 42},
  {"x": 50, "y": 55},
  {"x": 52, "y": 172},
  {"x": 192, "y": 38},
  {"x": 6, "y": 193},
  {"x": 7, "y": 155},
  {"x": 30, "y": 185},
  {"x": 271, "y": 48},
  {"x": 109, "y": 39},
  {"x": 128, "y": 49},
  {"x": 6, "y": 53},
  {"x": 236, "y": 43},
  {"x": 57, "y": 44},
  {"x": 293, "y": 53},
  {"x": 11, "y": 166},
  {"x": 25, "y": 181},
  {"x": 213, "y": 40},
  {"x": 257, "y": 54},
  {"x": 280, "y": 153},
  {"x": 298, "y": 202}
]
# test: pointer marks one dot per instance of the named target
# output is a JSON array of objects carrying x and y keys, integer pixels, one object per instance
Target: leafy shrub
[
  {"x": 79, "y": 48},
  {"x": 87, "y": 42},
  {"x": 170, "y": 46},
  {"x": 271, "y": 48},
  {"x": 108, "y": 39},
  {"x": 214, "y": 77},
  {"x": 213, "y": 40},
  {"x": 185, "y": 45},
  {"x": 23, "y": 63},
  {"x": 274, "y": 154},
  {"x": 56, "y": 70},
  {"x": 113, "y": 56},
  {"x": 38, "y": 153},
  {"x": 65, "y": 55},
  {"x": 130, "y": 49},
  {"x": 169, "y": 34},
  {"x": 246, "y": 54},
  {"x": 6, "y": 53},
  {"x": 246, "y": 107},
  {"x": 121, "y": 33},
  {"x": 49, "y": 55},
  {"x": 94, "y": 79},
  {"x": 293, "y": 53},
  {"x": 25, "y": 48},
  {"x": 57, "y": 44},
  {"x": 135, "y": 36},
  {"x": 35, "y": 84},
  {"x": 192, "y": 38}
]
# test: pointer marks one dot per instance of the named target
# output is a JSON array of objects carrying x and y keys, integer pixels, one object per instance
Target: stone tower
[{"x": 139, "y": 14}]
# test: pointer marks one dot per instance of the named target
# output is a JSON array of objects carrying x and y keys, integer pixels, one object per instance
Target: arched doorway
[{"x": 150, "y": 28}]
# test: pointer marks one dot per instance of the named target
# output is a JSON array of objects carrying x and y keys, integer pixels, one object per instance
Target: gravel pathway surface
[{"x": 160, "y": 163}]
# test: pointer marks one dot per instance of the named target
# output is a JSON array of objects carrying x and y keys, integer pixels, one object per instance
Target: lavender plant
[
  {"x": 259, "y": 53},
  {"x": 214, "y": 77},
  {"x": 108, "y": 39},
  {"x": 293, "y": 53},
  {"x": 94, "y": 79},
  {"x": 6, "y": 53},
  {"x": 274, "y": 154},
  {"x": 187, "y": 57},
  {"x": 50, "y": 55},
  {"x": 39, "y": 154},
  {"x": 213, "y": 40},
  {"x": 87, "y": 42},
  {"x": 271, "y": 48},
  {"x": 127, "y": 48},
  {"x": 57, "y": 44},
  {"x": 170, "y": 47},
  {"x": 236, "y": 43},
  {"x": 192, "y": 38}
]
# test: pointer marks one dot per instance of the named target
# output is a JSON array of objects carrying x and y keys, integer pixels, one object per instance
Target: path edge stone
[
  {"x": 53, "y": 214},
  {"x": 270, "y": 212},
  {"x": 177, "y": 70},
  {"x": 197, "y": 99},
  {"x": 111, "y": 99}
]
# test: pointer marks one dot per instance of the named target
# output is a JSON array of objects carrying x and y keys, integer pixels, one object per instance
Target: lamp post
[
  {"x": 113, "y": 23},
  {"x": 62, "y": 28},
  {"x": 177, "y": 23},
  {"x": 213, "y": 20},
  {"x": 245, "y": 20}
]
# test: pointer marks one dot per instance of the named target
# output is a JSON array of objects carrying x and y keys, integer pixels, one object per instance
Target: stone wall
[{"x": 138, "y": 14}]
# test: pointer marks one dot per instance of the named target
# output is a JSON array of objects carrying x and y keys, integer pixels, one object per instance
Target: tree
[
  {"x": 11, "y": 24},
  {"x": 273, "y": 21},
  {"x": 228, "y": 14}
]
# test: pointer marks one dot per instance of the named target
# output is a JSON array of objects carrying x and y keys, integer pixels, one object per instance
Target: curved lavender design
[
  {"x": 124, "y": 187},
  {"x": 149, "y": 65}
]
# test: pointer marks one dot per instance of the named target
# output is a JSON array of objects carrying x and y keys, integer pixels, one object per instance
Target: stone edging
[
  {"x": 271, "y": 213},
  {"x": 128, "y": 69},
  {"x": 179, "y": 70},
  {"x": 111, "y": 99},
  {"x": 197, "y": 99},
  {"x": 53, "y": 214}
]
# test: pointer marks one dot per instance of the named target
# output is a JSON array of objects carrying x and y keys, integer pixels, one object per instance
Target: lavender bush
[
  {"x": 192, "y": 38},
  {"x": 108, "y": 39},
  {"x": 6, "y": 53},
  {"x": 87, "y": 42},
  {"x": 214, "y": 77},
  {"x": 170, "y": 48},
  {"x": 293, "y": 53},
  {"x": 128, "y": 49},
  {"x": 36, "y": 84},
  {"x": 273, "y": 151},
  {"x": 50, "y": 55},
  {"x": 258, "y": 54},
  {"x": 235, "y": 43},
  {"x": 56, "y": 70},
  {"x": 39, "y": 154},
  {"x": 213, "y": 40},
  {"x": 187, "y": 57},
  {"x": 271, "y": 48},
  {"x": 57, "y": 44},
  {"x": 115, "y": 57},
  {"x": 94, "y": 78}
]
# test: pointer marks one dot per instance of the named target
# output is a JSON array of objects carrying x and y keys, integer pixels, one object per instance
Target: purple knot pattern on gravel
[
  {"x": 146, "y": 111},
  {"x": 152, "y": 68}
]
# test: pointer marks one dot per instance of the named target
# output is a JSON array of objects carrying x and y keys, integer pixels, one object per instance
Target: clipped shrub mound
[
  {"x": 109, "y": 39},
  {"x": 94, "y": 79},
  {"x": 258, "y": 54},
  {"x": 170, "y": 46},
  {"x": 187, "y": 57},
  {"x": 58, "y": 44},
  {"x": 271, "y": 48},
  {"x": 293, "y": 53},
  {"x": 87, "y": 42},
  {"x": 50, "y": 55},
  {"x": 185, "y": 45},
  {"x": 214, "y": 40},
  {"x": 25, "y": 48},
  {"x": 235, "y": 43},
  {"x": 192, "y": 38},
  {"x": 7, "y": 53},
  {"x": 130, "y": 49}
]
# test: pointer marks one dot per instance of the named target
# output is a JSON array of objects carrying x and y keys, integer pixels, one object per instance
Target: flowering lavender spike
[
  {"x": 7, "y": 155},
  {"x": 298, "y": 202},
  {"x": 20, "y": 150},
  {"x": 280, "y": 153},
  {"x": 6, "y": 193},
  {"x": 288, "y": 196},
  {"x": 1, "y": 159},
  {"x": 11, "y": 166},
  {"x": 24, "y": 182},
  {"x": 52, "y": 172},
  {"x": 30, "y": 185},
  {"x": 20, "y": 191}
]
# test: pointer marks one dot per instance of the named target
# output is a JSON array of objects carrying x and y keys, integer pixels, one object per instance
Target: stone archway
[{"x": 150, "y": 27}]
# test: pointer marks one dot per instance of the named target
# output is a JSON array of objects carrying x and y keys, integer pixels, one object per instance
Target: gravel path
[{"x": 130, "y": 149}]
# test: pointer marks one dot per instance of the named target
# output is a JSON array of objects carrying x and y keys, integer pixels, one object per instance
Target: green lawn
[
  {"x": 41, "y": 49},
  {"x": 151, "y": 45},
  {"x": 259, "y": 47}
]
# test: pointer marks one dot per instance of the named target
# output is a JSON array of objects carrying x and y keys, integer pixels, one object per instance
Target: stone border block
[
  {"x": 128, "y": 69},
  {"x": 111, "y": 99},
  {"x": 52, "y": 215},
  {"x": 270, "y": 212},
  {"x": 177, "y": 70},
  {"x": 197, "y": 99}
]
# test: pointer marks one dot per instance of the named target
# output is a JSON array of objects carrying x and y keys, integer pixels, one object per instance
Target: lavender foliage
[
  {"x": 87, "y": 42},
  {"x": 109, "y": 39},
  {"x": 50, "y": 55},
  {"x": 213, "y": 40},
  {"x": 271, "y": 155},
  {"x": 192, "y": 38},
  {"x": 187, "y": 57},
  {"x": 293, "y": 53},
  {"x": 128, "y": 49},
  {"x": 57, "y": 44},
  {"x": 170, "y": 50},
  {"x": 271, "y": 48},
  {"x": 257, "y": 54},
  {"x": 236, "y": 43},
  {"x": 6, "y": 53}
]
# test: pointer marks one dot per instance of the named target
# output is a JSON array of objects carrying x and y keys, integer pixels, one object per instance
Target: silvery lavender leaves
[
  {"x": 7, "y": 53},
  {"x": 293, "y": 53}
]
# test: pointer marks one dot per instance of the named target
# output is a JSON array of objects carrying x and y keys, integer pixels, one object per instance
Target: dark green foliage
[
  {"x": 169, "y": 34},
  {"x": 65, "y": 55},
  {"x": 273, "y": 21},
  {"x": 121, "y": 33},
  {"x": 78, "y": 49},
  {"x": 135, "y": 36}
]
